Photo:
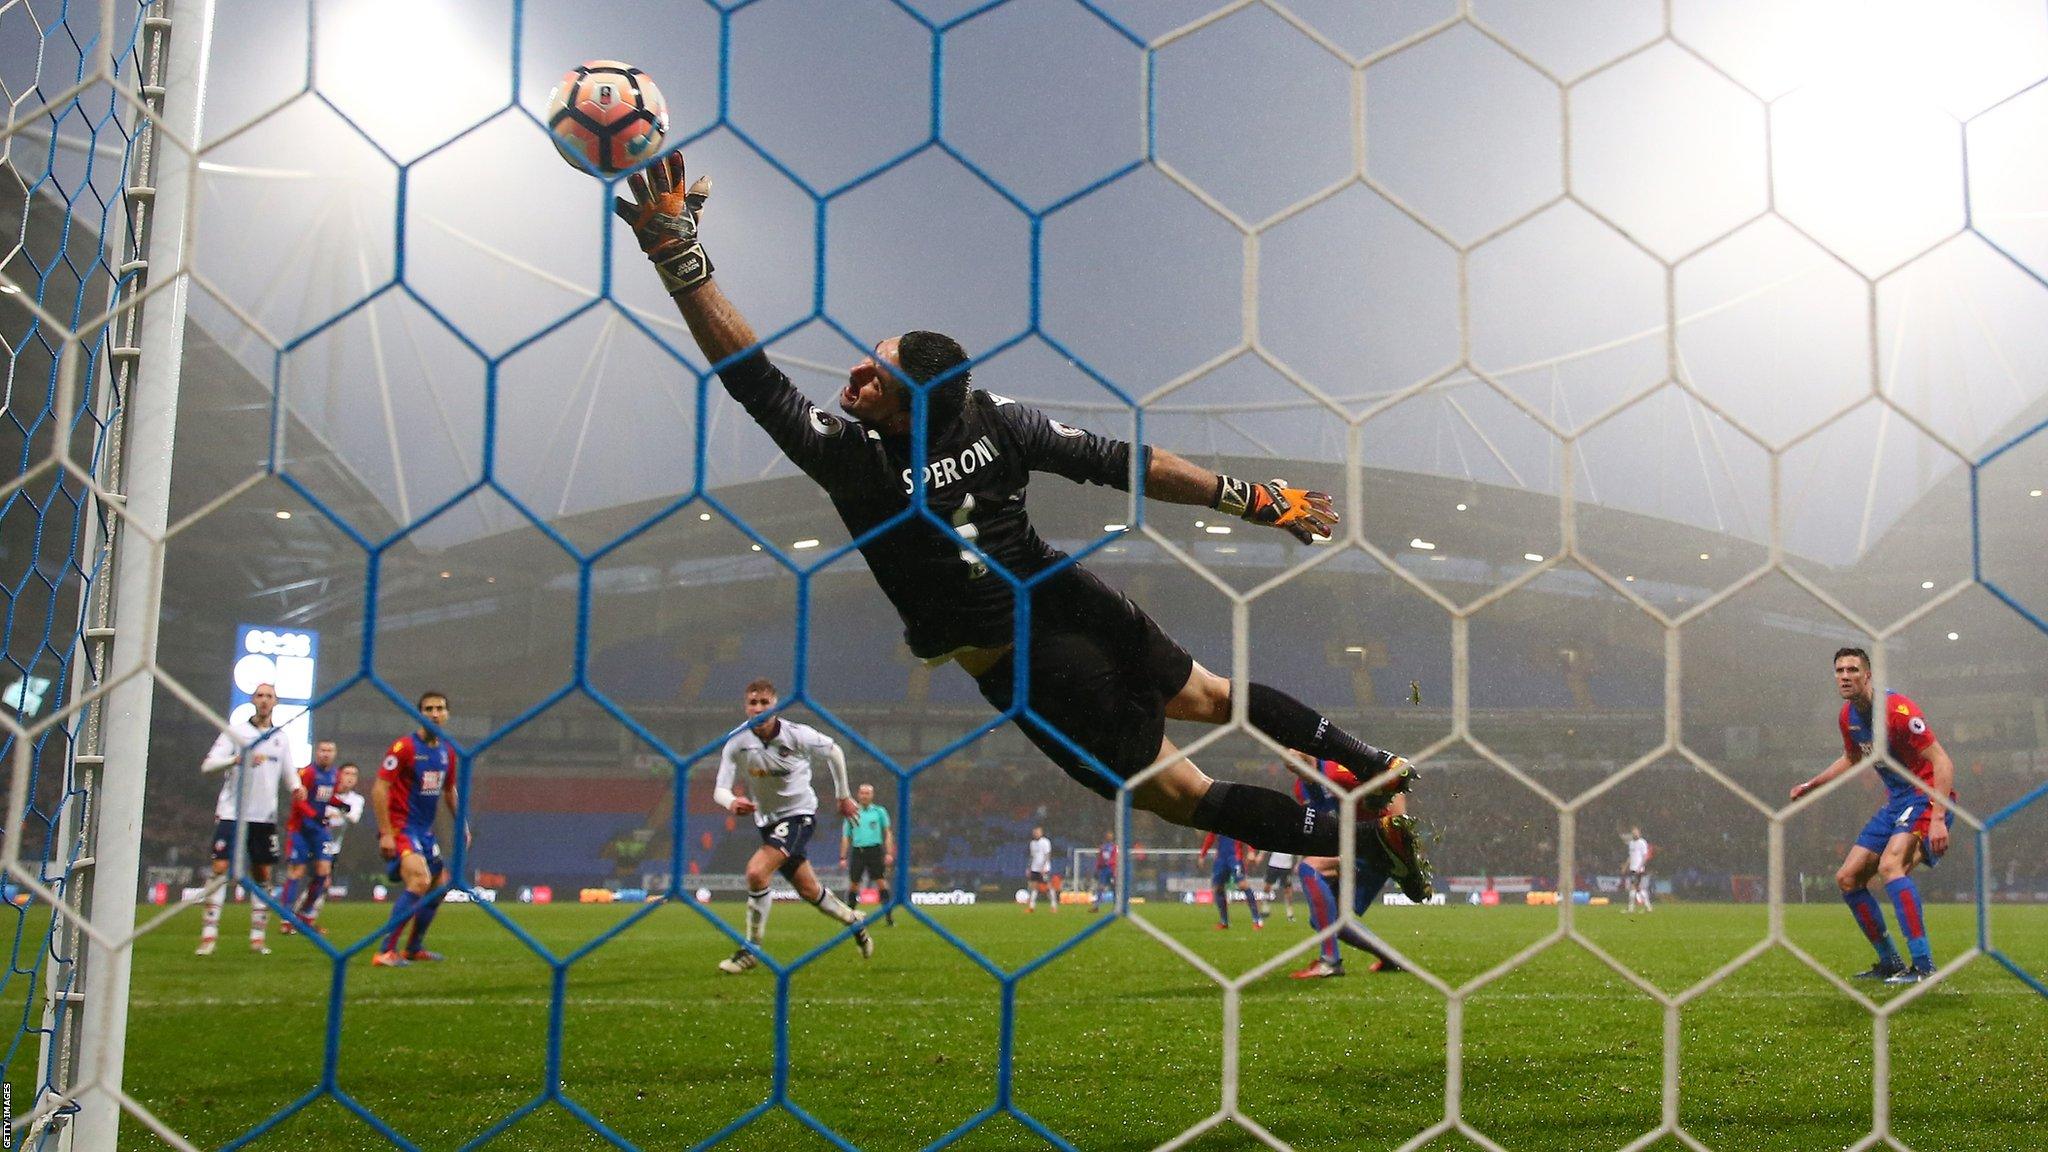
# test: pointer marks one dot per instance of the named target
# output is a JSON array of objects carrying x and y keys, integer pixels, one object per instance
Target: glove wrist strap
[
  {"x": 1232, "y": 495},
  {"x": 684, "y": 271}
]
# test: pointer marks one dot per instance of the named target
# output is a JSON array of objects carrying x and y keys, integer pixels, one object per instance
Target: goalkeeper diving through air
[{"x": 1101, "y": 672}]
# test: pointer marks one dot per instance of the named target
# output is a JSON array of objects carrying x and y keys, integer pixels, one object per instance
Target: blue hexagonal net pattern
[{"x": 68, "y": 156}]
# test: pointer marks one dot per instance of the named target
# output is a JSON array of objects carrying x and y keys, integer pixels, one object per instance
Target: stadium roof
[{"x": 1142, "y": 281}]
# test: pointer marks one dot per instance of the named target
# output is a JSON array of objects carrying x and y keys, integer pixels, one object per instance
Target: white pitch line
[{"x": 598, "y": 1000}]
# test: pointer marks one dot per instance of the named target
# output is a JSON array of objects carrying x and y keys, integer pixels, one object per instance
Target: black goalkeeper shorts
[{"x": 1101, "y": 675}]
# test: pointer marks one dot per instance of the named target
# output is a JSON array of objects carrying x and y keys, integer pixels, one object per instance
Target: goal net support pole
[{"x": 147, "y": 351}]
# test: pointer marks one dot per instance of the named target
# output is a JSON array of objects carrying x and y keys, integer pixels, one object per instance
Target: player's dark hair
[
  {"x": 763, "y": 684},
  {"x": 348, "y": 764},
  {"x": 1858, "y": 653},
  {"x": 928, "y": 356},
  {"x": 421, "y": 703}
]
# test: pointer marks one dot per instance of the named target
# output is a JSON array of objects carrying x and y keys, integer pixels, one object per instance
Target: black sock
[
  {"x": 1265, "y": 819},
  {"x": 1298, "y": 726}
]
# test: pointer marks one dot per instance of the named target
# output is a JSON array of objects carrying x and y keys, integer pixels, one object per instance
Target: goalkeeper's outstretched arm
[
  {"x": 1303, "y": 514},
  {"x": 663, "y": 215}
]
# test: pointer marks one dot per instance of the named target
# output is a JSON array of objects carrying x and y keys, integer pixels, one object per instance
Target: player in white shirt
[
  {"x": 1040, "y": 878},
  {"x": 257, "y": 757},
  {"x": 1635, "y": 878},
  {"x": 777, "y": 754},
  {"x": 347, "y": 806},
  {"x": 1280, "y": 879}
]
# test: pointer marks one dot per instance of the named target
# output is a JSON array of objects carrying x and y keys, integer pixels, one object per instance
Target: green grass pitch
[{"x": 1119, "y": 1042}]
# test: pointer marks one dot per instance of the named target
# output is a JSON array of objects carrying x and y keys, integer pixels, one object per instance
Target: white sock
[
  {"x": 836, "y": 908},
  {"x": 758, "y": 904},
  {"x": 209, "y": 918},
  {"x": 259, "y": 919}
]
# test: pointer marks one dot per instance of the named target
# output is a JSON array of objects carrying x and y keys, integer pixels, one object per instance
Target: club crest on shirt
[
  {"x": 826, "y": 423},
  {"x": 1065, "y": 429}
]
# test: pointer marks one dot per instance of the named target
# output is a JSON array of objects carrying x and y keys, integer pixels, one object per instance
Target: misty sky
[{"x": 1258, "y": 122}]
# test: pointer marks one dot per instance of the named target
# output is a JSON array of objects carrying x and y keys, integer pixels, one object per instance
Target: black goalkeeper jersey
[{"x": 975, "y": 479}]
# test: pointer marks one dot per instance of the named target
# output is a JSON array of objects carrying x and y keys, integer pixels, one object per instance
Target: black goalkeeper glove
[
  {"x": 664, "y": 220},
  {"x": 1302, "y": 514}
]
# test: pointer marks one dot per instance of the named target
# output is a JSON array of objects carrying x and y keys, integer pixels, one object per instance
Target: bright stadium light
[
  {"x": 362, "y": 44},
  {"x": 801, "y": 544},
  {"x": 1218, "y": 529},
  {"x": 1868, "y": 134},
  {"x": 1954, "y": 636},
  {"x": 1945, "y": 56},
  {"x": 1533, "y": 557},
  {"x": 1926, "y": 584},
  {"x": 1114, "y": 527},
  {"x": 1425, "y": 545},
  {"x": 1461, "y": 507},
  {"x": 283, "y": 515},
  {"x": 703, "y": 515}
]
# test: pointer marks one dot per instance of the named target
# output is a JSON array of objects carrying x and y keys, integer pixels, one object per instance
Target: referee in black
[
  {"x": 872, "y": 844},
  {"x": 1104, "y": 678}
]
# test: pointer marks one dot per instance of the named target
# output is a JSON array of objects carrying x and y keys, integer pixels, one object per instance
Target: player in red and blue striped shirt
[
  {"x": 1226, "y": 873},
  {"x": 1105, "y": 872},
  {"x": 1910, "y": 828},
  {"x": 1387, "y": 849},
  {"x": 417, "y": 776},
  {"x": 306, "y": 842}
]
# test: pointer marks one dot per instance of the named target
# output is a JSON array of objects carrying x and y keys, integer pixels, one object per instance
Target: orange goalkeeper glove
[
  {"x": 664, "y": 220},
  {"x": 1302, "y": 514}
]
